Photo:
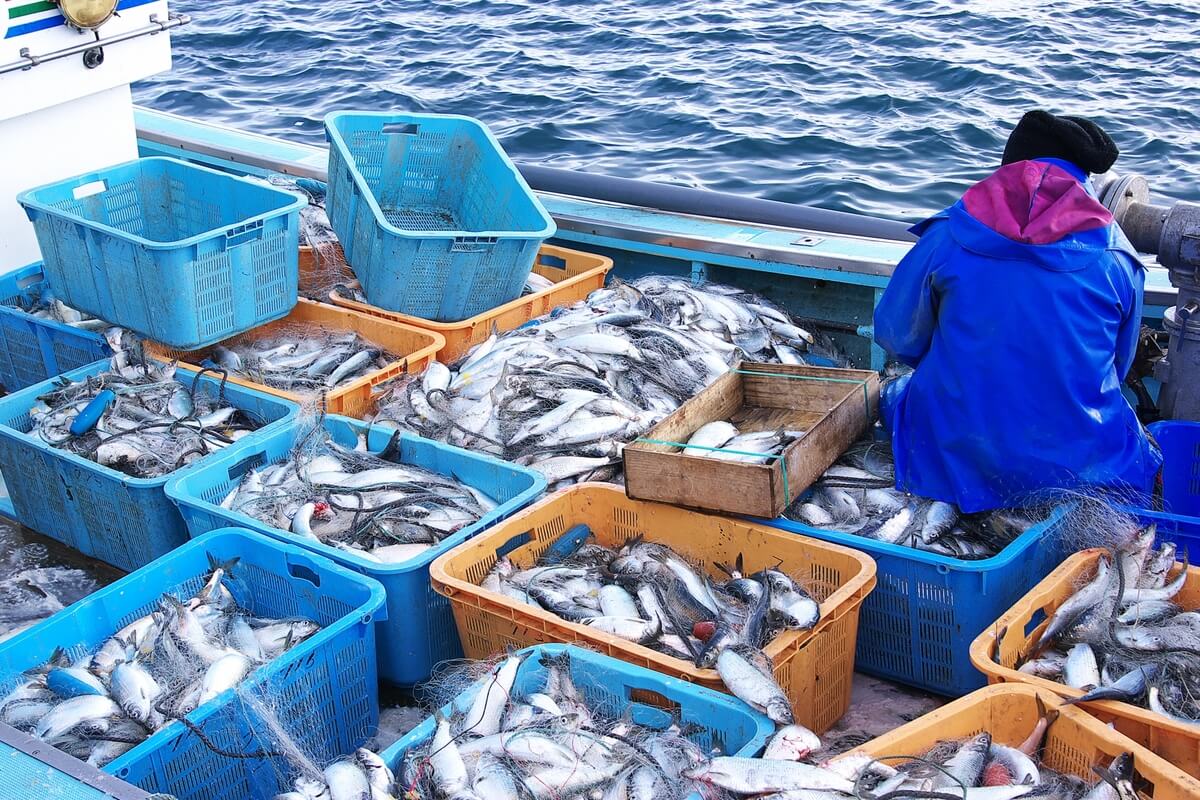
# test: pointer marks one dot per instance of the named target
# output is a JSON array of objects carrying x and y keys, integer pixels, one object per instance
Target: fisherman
[{"x": 1019, "y": 309}]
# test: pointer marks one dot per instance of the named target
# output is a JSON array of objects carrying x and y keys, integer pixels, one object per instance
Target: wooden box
[{"x": 832, "y": 406}]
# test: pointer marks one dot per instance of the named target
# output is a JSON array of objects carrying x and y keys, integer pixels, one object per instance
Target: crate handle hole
[
  {"x": 520, "y": 540},
  {"x": 651, "y": 698},
  {"x": 942, "y": 569},
  {"x": 89, "y": 189},
  {"x": 554, "y": 262},
  {"x": 1035, "y": 620},
  {"x": 305, "y": 574},
  {"x": 245, "y": 465},
  {"x": 406, "y": 128}
]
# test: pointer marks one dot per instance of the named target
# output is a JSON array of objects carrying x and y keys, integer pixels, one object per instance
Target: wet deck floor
[{"x": 32, "y": 565}]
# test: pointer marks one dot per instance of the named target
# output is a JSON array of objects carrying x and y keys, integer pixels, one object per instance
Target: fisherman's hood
[{"x": 1034, "y": 211}]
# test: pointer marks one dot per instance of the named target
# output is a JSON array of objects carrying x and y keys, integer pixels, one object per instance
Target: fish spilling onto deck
[
  {"x": 304, "y": 359},
  {"x": 1124, "y": 635},
  {"x": 646, "y": 593},
  {"x": 161, "y": 666},
  {"x": 858, "y": 495},
  {"x": 723, "y": 441},
  {"x": 137, "y": 418},
  {"x": 563, "y": 395},
  {"x": 368, "y": 504}
]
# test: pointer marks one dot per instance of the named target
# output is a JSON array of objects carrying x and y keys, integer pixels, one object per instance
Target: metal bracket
[
  {"x": 30, "y": 60},
  {"x": 809, "y": 241}
]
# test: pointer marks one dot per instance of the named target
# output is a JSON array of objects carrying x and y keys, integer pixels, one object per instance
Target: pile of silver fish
[
  {"x": 723, "y": 441},
  {"x": 157, "y": 668},
  {"x": 1122, "y": 637},
  {"x": 305, "y": 359},
  {"x": 648, "y": 594},
  {"x": 564, "y": 395},
  {"x": 137, "y": 419},
  {"x": 361, "y": 502},
  {"x": 978, "y": 768},
  {"x": 858, "y": 495},
  {"x": 362, "y": 776},
  {"x": 543, "y": 745}
]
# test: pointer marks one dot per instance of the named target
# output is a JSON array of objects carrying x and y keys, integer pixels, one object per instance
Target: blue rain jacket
[{"x": 1019, "y": 308}]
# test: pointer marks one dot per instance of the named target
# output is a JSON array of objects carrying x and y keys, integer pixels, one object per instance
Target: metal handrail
[{"x": 28, "y": 60}]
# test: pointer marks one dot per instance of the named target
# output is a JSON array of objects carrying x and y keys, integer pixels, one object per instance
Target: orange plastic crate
[
  {"x": 995, "y": 653},
  {"x": 814, "y": 667},
  {"x": 1075, "y": 742},
  {"x": 575, "y": 276},
  {"x": 415, "y": 347}
]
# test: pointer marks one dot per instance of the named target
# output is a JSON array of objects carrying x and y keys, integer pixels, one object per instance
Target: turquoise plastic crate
[
  {"x": 917, "y": 626},
  {"x": 179, "y": 253},
  {"x": 421, "y": 630},
  {"x": 98, "y": 511},
  {"x": 434, "y": 218},
  {"x": 328, "y": 680},
  {"x": 1180, "y": 443},
  {"x": 614, "y": 688},
  {"x": 34, "y": 349}
]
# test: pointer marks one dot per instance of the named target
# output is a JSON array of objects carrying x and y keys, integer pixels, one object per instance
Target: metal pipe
[
  {"x": 29, "y": 60},
  {"x": 699, "y": 202}
]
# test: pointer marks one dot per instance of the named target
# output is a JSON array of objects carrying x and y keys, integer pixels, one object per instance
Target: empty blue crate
[
  {"x": 615, "y": 689},
  {"x": 98, "y": 511},
  {"x": 421, "y": 632},
  {"x": 434, "y": 218},
  {"x": 917, "y": 626},
  {"x": 1180, "y": 443},
  {"x": 328, "y": 680},
  {"x": 33, "y": 349},
  {"x": 179, "y": 253}
]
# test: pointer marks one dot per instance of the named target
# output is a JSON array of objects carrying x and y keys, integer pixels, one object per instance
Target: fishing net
[
  {"x": 303, "y": 358},
  {"x": 330, "y": 488},
  {"x": 323, "y": 265},
  {"x": 573, "y": 717},
  {"x": 1130, "y": 630},
  {"x": 146, "y": 425},
  {"x": 565, "y": 394},
  {"x": 158, "y": 668},
  {"x": 953, "y": 769}
]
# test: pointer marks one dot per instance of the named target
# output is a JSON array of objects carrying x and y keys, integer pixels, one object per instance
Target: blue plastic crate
[
  {"x": 614, "y": 688},
  {"x": 98, "y": 511},
  {"x": 179, "y": 253},
  {"x": 434, "y": 218},
  {"x": 328, "y": 680},
  {"x": 917, "y": 626},
  {"x": 421, "y": 632},
  {"x": 1180, "y": 443},
  {"x": 34, "y": 349}
]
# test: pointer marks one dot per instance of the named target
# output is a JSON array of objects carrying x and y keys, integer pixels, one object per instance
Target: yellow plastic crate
[
  {"x": 814, "y": 667},
  {"x": 575, "y": 276},
  {"x": 415, "y": 347},
  {"x": 1075, "y": 742},
  {"x": 995, "y": 653}
]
